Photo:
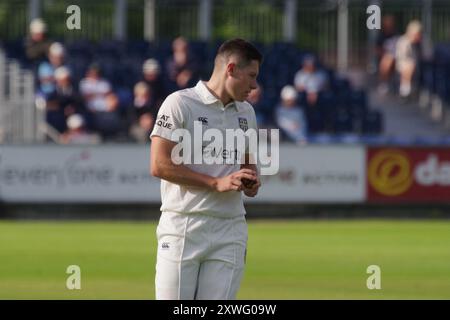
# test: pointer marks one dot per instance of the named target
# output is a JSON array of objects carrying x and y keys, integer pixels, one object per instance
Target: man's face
[
  {"x": 388, "y": 24},
  {"x": 416, "y": 37},
  {"x": 93, "y": 74},
  {"x": 56, "y": 59},
  {"x": 289, "y": 102},
  {"x": 37, "y": 36},
  {"x": 309, "y": 66},
  {"x": 240, "y": 81},
  {"x": 254, "y": 96},
  {"x": 63, "y": 81},
  {"x": 151, "y": 76}
]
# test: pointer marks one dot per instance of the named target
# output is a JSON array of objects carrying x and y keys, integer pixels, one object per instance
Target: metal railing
[
  {"x": 316, "y": 21},
  {"x": 257, "y": 20},
  {"x": 20, "y": 120}
]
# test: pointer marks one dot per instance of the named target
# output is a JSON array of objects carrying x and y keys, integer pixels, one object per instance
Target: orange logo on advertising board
[{"x": 389, "y": 172}]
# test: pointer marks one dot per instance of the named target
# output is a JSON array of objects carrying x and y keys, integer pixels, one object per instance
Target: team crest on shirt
[{"x": 243, "y": 124}]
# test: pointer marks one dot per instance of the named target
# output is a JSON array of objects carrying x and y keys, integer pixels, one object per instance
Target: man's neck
[{"x": 217, "y": 88}]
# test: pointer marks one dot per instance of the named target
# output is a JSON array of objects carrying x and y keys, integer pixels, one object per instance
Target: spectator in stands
[
  {"x": 144, "y": 112},
  {"x": 94, "y": 89},
  {"x": 76, "y": 132},
  {"x": 181, "y": 67},
  {"x": 46, "y": 70},
  {"x": 101, "y": 103},
  {"x": 59, "y": 103},
  {"x": 310, "y": 80},
  {"x": 411, "y": 49},
  {"x": 385, "y": 51},
  {"x": 65, "y": 94},
  {"x": 152, "y": 76},
  {"x": 57, "y": 96},
  {"x": 37, "y": 43},
  {"x": 290, "y": 117},
  {"x": 54, "y": 114}
]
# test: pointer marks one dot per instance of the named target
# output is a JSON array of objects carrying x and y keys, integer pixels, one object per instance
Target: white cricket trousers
[{"x": 199, "y": 257}]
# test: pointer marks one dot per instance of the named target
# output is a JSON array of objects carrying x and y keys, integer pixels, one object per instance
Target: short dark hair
[{"x": 243, "y": 49}]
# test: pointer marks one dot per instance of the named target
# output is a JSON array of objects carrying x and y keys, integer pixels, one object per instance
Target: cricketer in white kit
[{"x": 202, "y": 232}]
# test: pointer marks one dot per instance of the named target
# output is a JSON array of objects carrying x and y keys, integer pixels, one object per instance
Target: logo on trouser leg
[{"x": 165, "y": 246}]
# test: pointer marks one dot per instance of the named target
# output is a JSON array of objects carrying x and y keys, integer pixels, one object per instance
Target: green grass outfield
[{"x": 286, "y": 259}]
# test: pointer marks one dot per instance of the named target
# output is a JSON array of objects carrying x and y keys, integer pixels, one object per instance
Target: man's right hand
[{"x": 233, "y": 181}]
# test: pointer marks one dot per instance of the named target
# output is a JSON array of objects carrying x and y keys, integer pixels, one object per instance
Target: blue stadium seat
[
  {"x": 113, "y": 49},
  {"x": 301, "y": 99},
  {"x": 441, "y": 71},
  {"x": 358, "y": 98},
  {"x": 109, "y": 68},
  {"x": 340, "y": 85},
  {"x": 316, "y": 121},
  {"x": 138, "y": 48},
  {"x": 199, "y": 50},
  {"x": 326, "y": 99},
  {"x": 342, "y": 122},
  {"x": 78, "y": 67},
  {"x": 80, "y": 48},
  {"x": 125, "y": 96},
  {"x": 15, "y": 49},
  {"x": 372, "y": 122}
]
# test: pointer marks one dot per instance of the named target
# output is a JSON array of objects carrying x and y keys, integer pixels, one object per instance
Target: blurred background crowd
[{"x": 110, "y": 90}]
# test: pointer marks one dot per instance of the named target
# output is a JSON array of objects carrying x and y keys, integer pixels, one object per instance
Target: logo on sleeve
[
  {"x": 163, "y": 122},
  {"x": 243, "y": 124}
]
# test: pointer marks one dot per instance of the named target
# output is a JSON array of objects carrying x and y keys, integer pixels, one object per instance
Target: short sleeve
[
  {"x": 171, "y": 116},
  {"x": 252, "y": 124}
]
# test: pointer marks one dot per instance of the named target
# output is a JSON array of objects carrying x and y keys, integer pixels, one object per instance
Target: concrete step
[{"x": 405, "y": 119}]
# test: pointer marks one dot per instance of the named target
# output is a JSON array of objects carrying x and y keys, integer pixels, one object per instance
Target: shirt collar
[{"x": 208, "y": 98}]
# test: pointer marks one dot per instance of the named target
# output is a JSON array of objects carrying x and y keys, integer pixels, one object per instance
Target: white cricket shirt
[{"x": 180, "y": 110}]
